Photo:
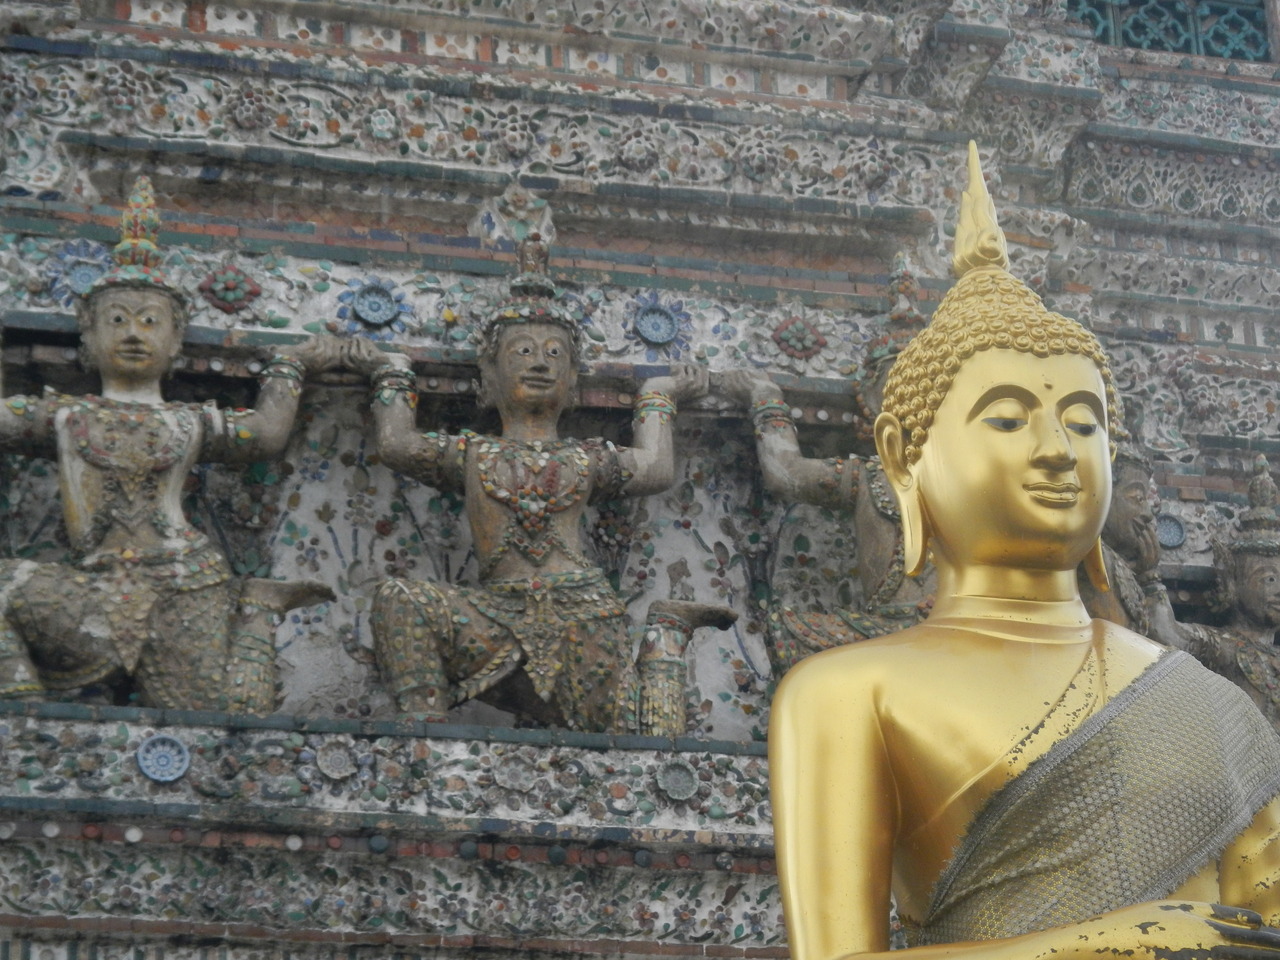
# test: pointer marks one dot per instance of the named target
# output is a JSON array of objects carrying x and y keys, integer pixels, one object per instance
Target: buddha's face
[
  {"x": 1258, "y": 589},
  {"x": 533, "y": 369},
  {"x": 1016, "y": 470},
  {"x": 133, "y": 334}
]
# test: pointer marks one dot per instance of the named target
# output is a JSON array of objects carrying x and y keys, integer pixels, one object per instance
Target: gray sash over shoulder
[{"x": 1145, "y": 793}]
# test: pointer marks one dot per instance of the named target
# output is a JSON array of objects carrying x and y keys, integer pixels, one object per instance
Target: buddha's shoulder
[
  {"x": 864, "y": 664},
  {"x": 886, "y": 663},
  {"x": 1126, "y": 653}
]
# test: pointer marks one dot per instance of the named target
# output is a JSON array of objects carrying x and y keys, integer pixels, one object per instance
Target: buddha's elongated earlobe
[
  {"x": 915, "y": 522},
  {"x": 1095, "y": 565},
  {"x": 915, "y": 532}
]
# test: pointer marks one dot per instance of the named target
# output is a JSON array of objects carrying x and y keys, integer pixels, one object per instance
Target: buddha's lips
[{"x": 1054, "y": 493}]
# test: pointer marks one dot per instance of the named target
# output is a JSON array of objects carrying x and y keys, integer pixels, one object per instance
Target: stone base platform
[{"x": 170, "y": 835}]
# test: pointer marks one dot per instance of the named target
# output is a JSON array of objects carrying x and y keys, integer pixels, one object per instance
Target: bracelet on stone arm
[
  {"x": 773, "y": 412},
  {"x": 653, "y": 402},
  {"x": 1151, "y": 583},
  {"x": 285, "y": 368},
  {"x": 390, "y": 381}
]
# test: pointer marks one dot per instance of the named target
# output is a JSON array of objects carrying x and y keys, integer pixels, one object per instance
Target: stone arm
[
  {"x": 835, "y": 808},
  {"x": 649, "y": 463},
  {"x": 1212, "y": 646},
  {"x": 436, "y": 459},
  {"x": 1163, "y": 624},
  {"x": 26, "y": 427},
  {"x": 262, "y": 433},
  {"x": 789, "y": 475}
]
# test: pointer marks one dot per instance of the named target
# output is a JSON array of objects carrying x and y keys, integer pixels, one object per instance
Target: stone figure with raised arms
[
  {"x": 149, "y": 609},
  {"x": 1136, "y": 598},
  {"x": 543, "y": 634},
  {"x": 1025, "y": 781},
  {"x": 890, "y": 600},
  {"x": 1248, "y": 585}
]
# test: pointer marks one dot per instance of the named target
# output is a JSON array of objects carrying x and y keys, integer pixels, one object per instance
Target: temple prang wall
[{"x": 727, "y": 182}]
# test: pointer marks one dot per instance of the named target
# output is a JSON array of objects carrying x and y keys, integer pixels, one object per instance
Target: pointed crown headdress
[
  {"x": 988, "y": 308},
  {"x": 532, "y": 299},
  {"x": 1259, "y": 525},
  {"x": 904, "y": 319},
  {"x": 137, "y": 258}
]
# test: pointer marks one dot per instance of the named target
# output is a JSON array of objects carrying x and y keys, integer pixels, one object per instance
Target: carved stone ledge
[{"x": 312, "y": 834}]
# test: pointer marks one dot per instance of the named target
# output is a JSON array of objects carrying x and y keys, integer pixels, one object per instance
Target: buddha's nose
[{"x": 1053, "y": 447}]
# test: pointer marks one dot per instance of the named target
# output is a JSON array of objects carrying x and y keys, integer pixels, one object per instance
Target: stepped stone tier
[
  {"x": 179, "y": 834},
  {"x": 718, "y": 181}
]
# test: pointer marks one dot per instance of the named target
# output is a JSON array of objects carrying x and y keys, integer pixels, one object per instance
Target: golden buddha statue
[{"x": 1026, "y": 782}]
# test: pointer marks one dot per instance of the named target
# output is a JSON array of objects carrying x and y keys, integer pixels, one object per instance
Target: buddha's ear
[
  {"x": 891, "y": 445},
  {"x": 1095, "y": 565}
]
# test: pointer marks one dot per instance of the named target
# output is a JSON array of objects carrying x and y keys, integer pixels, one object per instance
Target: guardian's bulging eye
[{"x": 117, "y": 320}]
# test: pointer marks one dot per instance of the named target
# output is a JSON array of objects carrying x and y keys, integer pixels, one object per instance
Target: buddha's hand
[
  {"x": 745, "y": 387},
  {"x": 318, "y": 354},
  {"x": 1178, "y": 929},
  {"x": 361, "y": 356},
  {"x": 687, "y": 381}
]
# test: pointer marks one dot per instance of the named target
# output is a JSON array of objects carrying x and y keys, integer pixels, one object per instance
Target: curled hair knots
[{"x": 986, "y": 309}]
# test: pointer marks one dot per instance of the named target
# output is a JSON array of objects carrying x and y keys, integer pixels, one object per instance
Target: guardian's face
[
  {"x": 1258, "y": 589},
  {"x": 533, "y": 369},
  {"x": 133, "y": 334},
  {"x": 1131, "y": 515},
  {"x": 1016, "y": 470}
]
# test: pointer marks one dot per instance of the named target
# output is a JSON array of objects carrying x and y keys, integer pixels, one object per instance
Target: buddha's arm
[
  {"x": 835, "y": 810},
  {"x": 788, "y": 474},
  {"x": 1249, "y": 869},
  {"x": 835, "y": 817},
  {"x": 650, "y": 461}
]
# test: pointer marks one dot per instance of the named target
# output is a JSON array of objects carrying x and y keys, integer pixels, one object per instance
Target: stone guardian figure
[
  {"x": 891, "y": 601},
  {"x": 543, "y": 633},
  {"x": 1248, "y": 588},
  {"x": 149, "y": 607}
]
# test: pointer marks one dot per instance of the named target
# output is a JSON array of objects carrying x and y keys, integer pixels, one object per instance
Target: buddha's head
[
  {"x": 132, "y": 319},
  {"x": 530, "y": 346},
  {"x": 1248, "y": 565},
  {"x": 999, "y": 419}
]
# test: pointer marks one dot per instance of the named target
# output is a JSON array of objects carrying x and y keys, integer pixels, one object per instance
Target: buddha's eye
[
  {"x": 1005, "y": 424},
  {"x": 1083, "y": 429}
]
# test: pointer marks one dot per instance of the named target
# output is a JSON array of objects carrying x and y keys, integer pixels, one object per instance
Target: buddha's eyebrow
[
  {"x": 1089, "y": 398},
  {"x": 1004, "y": 391}
]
